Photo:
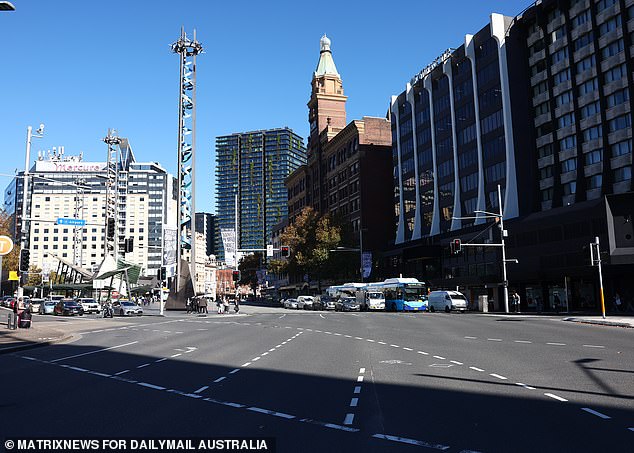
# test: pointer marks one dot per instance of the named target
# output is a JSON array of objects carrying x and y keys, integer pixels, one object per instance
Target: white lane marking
[
  {"x": 78, "y": 369},
  {"x": 246, "y": 364},
  {"x": 525, "y": 386},
  {"x": 160, "y": 360},
  {"x": 498, "y": 376},
  {"x": 475, "y": 368},
  {"x": 265, "y": 353},
  {"x": 30, "y": 358},
  {"x": 557, "y": 344},
  {"x": 356, "y": 338},
  {"x": 439, "y": 357},
  {"x": 234, "y": 371},
  {"x": 255, "y": 359},
  {"x": 522, "y": 341},
  {"x": 278, "y": 346},
  {"x": 348, "y": 336},
  {"x": 144, "y": 365},
  {"x": 348, "y": 420},
  {"x": 122, "y": 372},
  {"x": 270, "y": 412},
  {"x": 361, "y": 370},
  {"x": 284, "y": 342},
  {"x": 220, "y": 379},
  {"x": 382, "y": 342},
  {"x": 272, "y": 349},
  {"x": 152, "y": 386},
  {"x": 405, "y": 440},
  {"x": 631, "y": 429},
  {"x": 360, "y": 379},
  {"x": 558, "y": 398},
  {"x": 593, "y": 412},
  {"x": 471, "y": 338},
  {"x": 494, "y": 339},
  {"x": 202, "y": 389},
  {"x": 354, "y": 402},
  {"x": 357, "y": 389},
  {"x": 594, "y": 346},
  {"x": 371, "y": 341},
  {"x": 176, "y": 355},
  {"x": 338, "y": 334},
  {"x": 93, "y": 352},
  {"x": 395, "y": 346},
  {"x": 407, "y": 349},
  {"x": 317, "y": 330},
  {"x": 456, "y": 362},
  {"x": 281, "y": 316},
  {"x": 99, "y": 374},
  {"x": 423, "y": 352},
  {"x": 299, "y": 328}
]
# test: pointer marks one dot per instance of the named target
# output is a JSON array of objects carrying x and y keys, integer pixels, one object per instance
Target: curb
[
  {"x": 33, "y": 345},
  {"x": 599, "y": 323}
]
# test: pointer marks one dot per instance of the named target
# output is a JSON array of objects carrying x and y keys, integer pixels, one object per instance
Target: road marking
[
  {"x": 270, "y": 412},
  {"x": 395, "y": 346},
  {"x": 558, "y": 398},
  {"x": 382, "y": 342},
  {"x": 498, "y": 376},
  {"x": 408, "y": 349},
  {"x": 317, "y": 330},
  {"x": 265, "y": 353},
  {"x": 593, "y": 412},
  {"x": 160, "y": 360},
  {"x": 438, "y": 357},
  {"x": 176, "y": 355},
  {"x": 93, "y": 352},
  {"x": 202, "y": 389},
  {"x": 523, "y": 341},
  {"x": 122, "y": 372},
  {"x": 234, "y": 371},
  {"x": 361, "y": 370},
  {"x": 356, "y": 338},
  {"x": 423, "y": 352},
  {"x": 557, "y": 344},
  {"x": 152, "y": 386},
  {"x": 357, "y": 389},
  {"x": 471, "y": 338},
  {"x": 348, "y": 336},
  {"x": 525, "y": 386},
  {"x": 284, "y": 342},
  {"x": 371, "y": 341},
  {"x": 456, "y": 362},
  {"x": 593, "y": 346},
  {"x": 246, "y": 364},
  {"x": 99, "y": 374},
  {"x": 78, "y": 369},
  {"x": 144, "y": 365},
  {"x": 272, "y": 349},
  {"x": 631, "y": 429},
  {"x": 494, "y": 339},
  {"x": 256, "y": 359},
  {"x": 360, "y": 379},
  {"x": 322, "y": 316},
  {"x": 405, "y": 440},
  {"x": 354, "y": 402},
  {"x": 30, "y": 358},
  {"x": 338, "y": 334},
  {"x": 220, "y": 379},
  {"x": 475, "y": 369},
  {"x": 348, "y": 420},
  {"x": 281, "y": 316}
]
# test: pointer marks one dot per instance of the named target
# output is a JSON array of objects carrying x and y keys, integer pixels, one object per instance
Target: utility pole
[
  {"x": 505, "y": 283},
  {"x": 595, "y": 258}
]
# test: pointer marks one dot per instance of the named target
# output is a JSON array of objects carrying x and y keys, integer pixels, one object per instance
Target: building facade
[
  {"x": 67, "y": 187},
  {"x": 206, "y": 225},
  {"x": 251, "y": 168}
]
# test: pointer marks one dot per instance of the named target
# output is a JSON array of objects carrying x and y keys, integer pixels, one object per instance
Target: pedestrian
[
  {"x": 617, "y": 302},
  {"x": 237, "y": 306},
  {"x": 189, "y": 305},
  {"x": 225, "y": 305},
  {"x": 556, "y": 302},
  {"x": 202, "y": 305},
  {"x": 219, "y": 305},
  {"x": 518, "y": 301}
]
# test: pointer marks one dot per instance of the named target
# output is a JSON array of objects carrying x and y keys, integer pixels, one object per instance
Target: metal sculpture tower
[
  {"x": 112, "y": 180},
  {"x": 187, "y": 51}
]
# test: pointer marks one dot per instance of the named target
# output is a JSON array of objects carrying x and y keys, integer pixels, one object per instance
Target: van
[{"x": 447, "y": 301}]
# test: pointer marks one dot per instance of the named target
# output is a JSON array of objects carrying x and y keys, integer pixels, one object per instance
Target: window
[
  {"x": 547, "y": 194},
  {"x": 586, "y": 63},
  {"x": 546, "y": 172},
  {"x": 589, "y": 86},
  {"x": 592, "y": 133},
  {"x": 568, "y": 143},
  {"x": 612, "y": 24},
  {"x": 612, "y": 49},
  {"x": 542, "y": 108},
  {"x": 557, "y": 34},
  {"x": 491, "y": 122},
  {"x": 594, "y": 182},
  {"x": 566, "y": 120},
  {"x": 570, "y": 188},
  {"x": 621, "y": 148},
  {"x": 581, "y": 18},
  {"x": 561, "y": 77},
  {"x": 545, "y": 150},
  {"x": 559, "y": 56},
  {"x": 590, "y": 109},
  {"x": 623, "y": 174},
  {"x": 615, "y": 73},
  {"x": 495, "y": 172},
  {"x": 569, "y": 165},
  {"x": 618, "y": 97},
  {"x": 582, "y": 41},
  {"x": 603, "y": 4},
  {"x": 594, "y": 157},
  {"x": 540, "y": 88},
  {"x": 563, "y": 98},
  {"x": 469, "y": 182},
  {"x": 620, "y": 122}
]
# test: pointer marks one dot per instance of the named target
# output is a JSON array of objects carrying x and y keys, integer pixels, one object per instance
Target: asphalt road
[{"x": 332, "y": 382}]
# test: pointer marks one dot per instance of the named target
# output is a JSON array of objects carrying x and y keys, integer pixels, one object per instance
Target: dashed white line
[
  {"x": 265, "y": 353},
  {"x": 361, "y": 370},
  {"x": 439, "y": 357},
  {"x": 270, "y": 412},
  {"x": 220, "y": 379},
  {"x": 122, "y": 372},
  {"x": 255, "y": 359},
  {"x": 202, "y": 389},
  {"x": 348, "y": 336},
  {"x": 176, "y": 355},
  {"x": 498, "y": 376},
  {"x": 594, "y": 346},
  {"x": 371, "y": 341},
  {"x": 494, "y": 339},
  {"x": 593, "y": 412},
  {"x": 471, "y": 338},
  {"x": 557, "y": 344},
  {"x": 354, "y": 402},
  {"x": 234, "y": 371},
  {"x": 405, "y": 440},
  {"x": 456, "y": 362},
  {"x": 558, "y": 398},
  {"x": 83, "y": 370},
  {"x": 99, "y": 374},
  {"x": 357, "y": 389},
  {"x": 322, "y": 316},
  {"x": 329, "y": 333},
  {"x": 152, "y": 386},
  {"x": 423, "y": 352},
  {"x": 522, "y": 341},
  {"x": 525, "y": 386},
  {"x": 348, "y": 420},
  {"x": 407, "y": 349},
  {"x": 246, "y": 364},
  {"x": 160, "y": 360},
  {"x": 382, "y": 342},
  {"x": 144, "y": 365},
  {"x": 395, "y": 346},
  {"x": 272, "y": 349},
  {"x": 358, "y": 338},
  {"x": 360, "y": 379},
  {"x": 475, "y": 368}
]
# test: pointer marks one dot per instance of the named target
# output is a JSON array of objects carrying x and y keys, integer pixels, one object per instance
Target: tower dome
[{"x": 324, "y": 43}]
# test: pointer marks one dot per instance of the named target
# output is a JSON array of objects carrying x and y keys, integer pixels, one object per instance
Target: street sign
[
  {"x": 6, "y": 245},
  {"x": 269, "y": 250},
  {"x": 71, "y": 222},
  {"x": 13, "y": 276}
]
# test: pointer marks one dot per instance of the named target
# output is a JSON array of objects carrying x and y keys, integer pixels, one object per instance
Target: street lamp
[{"x": 39, "y": 133}]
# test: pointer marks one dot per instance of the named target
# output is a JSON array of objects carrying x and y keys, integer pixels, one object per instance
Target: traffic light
[
  {"x": 236, "y": 276},
  {"x": 25, "y": 258},
  {"x": 129, "y": 245},
  {"x": 110, "y": 229},
  {"x": 456, "y": 246},
  {"x": 286, "y": 251},
  {"x": 162, "y": 273}
]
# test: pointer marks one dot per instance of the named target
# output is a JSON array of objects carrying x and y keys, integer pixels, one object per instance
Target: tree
[
  {"x": 35, "y": 276},
  {"x": 248, "y": 267}
]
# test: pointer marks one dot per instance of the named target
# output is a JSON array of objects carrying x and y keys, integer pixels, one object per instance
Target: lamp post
[{"x": 39, "y": 133}]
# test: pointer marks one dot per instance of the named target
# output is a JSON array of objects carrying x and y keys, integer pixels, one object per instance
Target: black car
[
  {"x": 68, "y": 307},
  {"x": 323, "y": 302},
  {"x": 347, "y": 304}
]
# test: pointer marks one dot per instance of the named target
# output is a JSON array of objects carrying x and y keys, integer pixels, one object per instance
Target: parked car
[
  {"x": 35, "y": 305},
  {"x": 89, "y": 305},
  {"x": 323, "y": 302},
  {"x": 447, "y": 301},
  {"x": 68, "y": 307},
  {"x": 290, "y": 303},
  {"x": 126, "y": 308},
  {"x": 305, "y": 302},
  {"x": 47, "y": 307},
  {"x": 347, "y": 304}
]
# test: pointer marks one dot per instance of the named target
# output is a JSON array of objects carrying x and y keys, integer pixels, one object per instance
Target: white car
[
  {"x": 89, "y": 305},
  {"x": 126, "y": 308},
  {"x": 290, "y": 303},
  {"x": 305, "y": 302}
]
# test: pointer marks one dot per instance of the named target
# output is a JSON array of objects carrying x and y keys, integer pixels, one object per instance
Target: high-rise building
[
  {"x": 206, "y": 225},
  {"x": 251, "y": 167},
  {"x": 67, "y": 187}
]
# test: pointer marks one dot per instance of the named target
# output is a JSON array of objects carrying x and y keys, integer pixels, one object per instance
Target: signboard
[
  {"x": 229, "y": 245},
  {"x": 69, "y": 166},
  {"x": 98, "y": 284},
  {"x": 6, "y": 245},
  {"x": 169, "y": 245},
  {"x": 71, "y": 222},
  {"x": 13, "y": 275},
  {"x": 367, "y": 264},
  {"x": 269, "y": 250}
]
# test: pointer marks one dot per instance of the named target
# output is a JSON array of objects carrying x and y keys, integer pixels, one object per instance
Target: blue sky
[{"x": 81, "y": 67}]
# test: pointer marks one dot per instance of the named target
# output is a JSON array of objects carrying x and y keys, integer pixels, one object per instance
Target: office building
[{"x": 206, "y": 225}]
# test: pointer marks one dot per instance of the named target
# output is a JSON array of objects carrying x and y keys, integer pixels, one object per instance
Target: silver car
[
  {"x": 47, "y": 307},
  {"x": 290, "y": 303},
  {"x": 126, "y": 308}
]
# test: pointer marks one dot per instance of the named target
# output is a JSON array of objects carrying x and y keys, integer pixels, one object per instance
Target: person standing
[
  {"x": 556, "y": 302},
  {"x": 517, "y": 301},
  {"x": 617, "y": 302}
]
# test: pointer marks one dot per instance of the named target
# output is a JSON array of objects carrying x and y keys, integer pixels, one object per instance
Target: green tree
[
  {"x": 34, "y": 277},
  {"x": 248, "y": 267}
]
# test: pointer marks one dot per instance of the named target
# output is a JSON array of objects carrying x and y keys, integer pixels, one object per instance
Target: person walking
[
  {"x": 236, "y": 307},
  {"x": 225, "y": 305},
  {"x": 189, "y": 305},
  {"x": 219, "y": 305},
  {"x": 516, "y": 298},
  {"x": 617, "y": 302},
  {"x": 202, "y": 305}
]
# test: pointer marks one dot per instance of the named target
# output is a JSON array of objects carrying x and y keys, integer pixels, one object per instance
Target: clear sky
[{"x": 81, "y": 67}]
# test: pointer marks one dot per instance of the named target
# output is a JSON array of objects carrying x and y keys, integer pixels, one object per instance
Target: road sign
[
  {"x": 269, "y": 250},
  {"x": 6, "y": 245},
  {"x": 13, "y": 276},
  {"x": 71, "y": 222}
]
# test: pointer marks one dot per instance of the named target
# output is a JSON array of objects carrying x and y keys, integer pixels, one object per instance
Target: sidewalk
[
  {"x": 611, "y": 319},
  {"x": 41, "y": 333}
]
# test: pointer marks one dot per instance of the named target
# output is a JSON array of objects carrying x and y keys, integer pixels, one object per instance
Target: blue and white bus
[{"x": 404, "y": 294}]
